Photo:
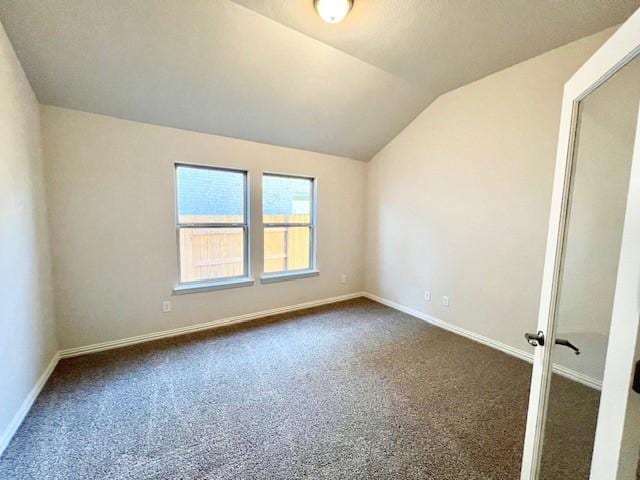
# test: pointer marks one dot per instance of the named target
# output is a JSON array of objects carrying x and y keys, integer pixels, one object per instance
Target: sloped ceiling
[{"x": 271, "y": 71}]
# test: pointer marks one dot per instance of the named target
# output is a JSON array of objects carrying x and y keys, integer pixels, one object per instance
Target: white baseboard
[
  {"x": 20, "y": 415},
  {"x": 578, "y": 377},
  {"x": 99, "y": 347},
  {"x": 503, "y": 347}
]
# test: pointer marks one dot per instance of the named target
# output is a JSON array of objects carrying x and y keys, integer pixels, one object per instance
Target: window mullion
[
  {"x": 274, "y": 225},
  {"x": 211, "y": 225}
]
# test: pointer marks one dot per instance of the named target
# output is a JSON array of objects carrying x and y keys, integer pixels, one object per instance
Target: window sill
[
  {"x": 286, "y": 276},
  {"x": 214, "y": 285}
]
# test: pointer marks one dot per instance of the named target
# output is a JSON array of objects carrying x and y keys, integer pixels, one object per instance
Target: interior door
[{"x": 582, "y": 422}]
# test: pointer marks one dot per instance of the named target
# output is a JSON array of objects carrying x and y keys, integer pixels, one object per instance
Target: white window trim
[
  {"x": 215, "y": 283},
  {"x": 208, "y": 286},
  {"x": 285, "y": 276},
  {"x": 312, "y": 270}
]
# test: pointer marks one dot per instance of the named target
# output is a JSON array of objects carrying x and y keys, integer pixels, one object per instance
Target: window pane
[
  {"x": 286, "y": 248},
  {"x": 210, "y": 196},
  {"x": 211, "y": 253},
  {"x": 286, "y": 199}
]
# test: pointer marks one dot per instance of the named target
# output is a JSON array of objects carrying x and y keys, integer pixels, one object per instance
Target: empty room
[{"x": 320, "y": 239}]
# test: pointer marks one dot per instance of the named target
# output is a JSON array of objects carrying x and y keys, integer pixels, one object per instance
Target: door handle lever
[
  {"x": 535, "y": 339},
  {"x": 567, "y": 343}
]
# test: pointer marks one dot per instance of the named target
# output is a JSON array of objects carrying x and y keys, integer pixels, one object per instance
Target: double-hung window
[
  {"x": 288, "y": 216},
  {"x": 212, "y": 226}
]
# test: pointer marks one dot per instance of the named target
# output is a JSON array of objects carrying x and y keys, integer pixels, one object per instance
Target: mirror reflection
[{"x": 600, "y": 177}]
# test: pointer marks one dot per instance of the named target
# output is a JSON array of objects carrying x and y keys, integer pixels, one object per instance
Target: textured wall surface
[
  {"x": 114, "y": 265},
  {"x": 27, "y": 331},
  {"x": 458, "y": 203}
]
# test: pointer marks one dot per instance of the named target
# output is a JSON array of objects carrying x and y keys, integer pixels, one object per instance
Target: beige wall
[
  {"x": 27, "y": 333},
  {"x": 111, "y": 198},
  {"x": 458, "y": 203}
]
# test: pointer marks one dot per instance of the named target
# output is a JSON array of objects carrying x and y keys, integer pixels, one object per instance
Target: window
[
  {"x": 212, "y": 225},
  {"x": 288, "y": 212}
]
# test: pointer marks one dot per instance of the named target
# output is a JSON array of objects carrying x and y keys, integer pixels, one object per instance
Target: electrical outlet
[
  {"x": 427, "y": 295},
  {"x": 343, "y": 278},
  {"x": 166, "y": 306},
  {"x": 445, "y": 301}
]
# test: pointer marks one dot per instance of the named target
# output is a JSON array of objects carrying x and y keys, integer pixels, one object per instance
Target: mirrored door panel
[{"x": 598, "y": 194}]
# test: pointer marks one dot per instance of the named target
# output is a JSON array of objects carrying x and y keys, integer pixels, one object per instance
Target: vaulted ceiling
[{"x": 271, "y": 71}]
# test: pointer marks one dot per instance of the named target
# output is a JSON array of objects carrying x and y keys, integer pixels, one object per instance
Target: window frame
[
  {"x": 312, "y": 269},
  {"x": 223, "y": 282}
]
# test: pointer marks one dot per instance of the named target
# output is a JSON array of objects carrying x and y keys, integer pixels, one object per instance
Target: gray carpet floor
[{"x": 348, "y": 391}]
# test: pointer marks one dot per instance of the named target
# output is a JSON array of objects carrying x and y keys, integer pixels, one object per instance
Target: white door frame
[{"x": 623, "y": 46}]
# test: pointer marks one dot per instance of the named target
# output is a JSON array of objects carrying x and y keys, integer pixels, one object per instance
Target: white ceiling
[{"x": 272, "y": 71}]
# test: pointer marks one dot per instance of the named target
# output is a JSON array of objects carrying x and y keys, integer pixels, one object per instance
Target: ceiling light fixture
[{"x": 333, "y": 11}]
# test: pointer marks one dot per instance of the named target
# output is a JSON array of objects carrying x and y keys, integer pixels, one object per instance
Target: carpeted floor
[{"x": 348, "y": 391}]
